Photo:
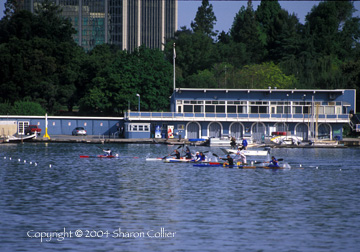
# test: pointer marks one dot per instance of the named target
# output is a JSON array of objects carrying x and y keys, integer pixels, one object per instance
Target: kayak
[
  {"x": 97, "y": 156},
  {"x": 215, "y": 164},
  {"x": 183, "y": 160},
  {"x": 154, "y": 159},
  {"x": 247, "y": 152},
  {"x": 104, "y": 156}
]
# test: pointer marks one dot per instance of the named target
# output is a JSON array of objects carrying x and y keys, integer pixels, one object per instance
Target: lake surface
[{"x": 69, "y": 203}]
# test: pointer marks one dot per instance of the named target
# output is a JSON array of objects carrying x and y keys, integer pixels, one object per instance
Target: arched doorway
[
  {"x": 236, "y": 130},
  {"x": 258, "y": 131},
  {"x": 281, "y": 127},
  {"x": 302, "y": 130},
  {"x": 324, "y": 131},
  {"x": 214, "y": 130},
  {"x": 192, "y": 130}
]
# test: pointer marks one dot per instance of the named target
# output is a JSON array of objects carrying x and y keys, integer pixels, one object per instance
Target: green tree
[
  {"x": 351, "y": 71},
  {"x": 205, "y": 19},
  {"x": 245, "y": 29},
  {"x": 264, "y": 76},
  {"x": 203, "y": 79},
  {"x": 144, "y": 72},
  {"x": 41, "y": 60},
  {"x": 27, "y": 108},
  {"x": 325, "y": 22},
  {"x": 195, "y": 52}
]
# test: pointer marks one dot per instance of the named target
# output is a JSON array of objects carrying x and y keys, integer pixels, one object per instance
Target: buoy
[
  {"x": 10, "y": 158},
  {"x": 4, "y": 157},
  {"x": 24, "y": 161},
  {"x": 50, "y": 165},
  {"x": 30, "y": 162},
  {"x": 19, "y": 160},
  {"x": 317, "y": 167},
  {"x": 35, "y": 164},
  {"x": 300, "y": 165}
]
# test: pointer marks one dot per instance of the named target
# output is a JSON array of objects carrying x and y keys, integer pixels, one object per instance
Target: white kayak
[{"x": 247, "y": 152}]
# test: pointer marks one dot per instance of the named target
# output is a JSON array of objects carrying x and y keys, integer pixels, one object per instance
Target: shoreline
[{"x": 346, "y": 142}]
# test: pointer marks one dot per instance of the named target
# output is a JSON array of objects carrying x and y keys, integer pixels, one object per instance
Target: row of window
[
  {"x": 338, "y": 103},
  {"x": 260, "y": 109},
  {"x": 134, "y": 127}
]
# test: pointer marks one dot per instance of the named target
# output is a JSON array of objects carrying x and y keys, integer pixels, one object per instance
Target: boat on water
[
  {"x": 16, "y": 139},
  {"x": 284, "y": 139},
  {"x": 263, "y": 165},
  {"x": 251, "y": 152},
  {"x": 105, "y": 156}
]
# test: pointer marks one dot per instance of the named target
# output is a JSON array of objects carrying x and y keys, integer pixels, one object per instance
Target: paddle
[
  {"x": 260, "y": 162},
  {"x": 118, "y": 156},
  {"x": 171, "y": 152}
]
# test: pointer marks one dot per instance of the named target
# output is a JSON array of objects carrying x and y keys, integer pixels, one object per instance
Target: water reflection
[{"x": 309, "y": 209}]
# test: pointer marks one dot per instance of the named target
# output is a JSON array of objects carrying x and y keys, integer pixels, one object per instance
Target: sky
[{"x": 225, "y": 11}]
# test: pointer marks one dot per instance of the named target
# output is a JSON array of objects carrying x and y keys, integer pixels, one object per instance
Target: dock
[{"x": 344, "y": 143}]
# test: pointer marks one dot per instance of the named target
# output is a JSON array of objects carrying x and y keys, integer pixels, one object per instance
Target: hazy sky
[{"x": 225, "y": 11}]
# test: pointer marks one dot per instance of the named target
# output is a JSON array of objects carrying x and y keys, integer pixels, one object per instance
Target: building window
[
  {"x": 231, "y": 109},
  {"x": 181, "y": 126},
  {"x": 220, "y": 109},
  {"x": 209, "y": 109},
  {"x": 297, "y": 110}
]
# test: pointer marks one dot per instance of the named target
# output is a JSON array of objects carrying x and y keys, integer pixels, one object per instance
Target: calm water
[{"x": 131, "y": 205}]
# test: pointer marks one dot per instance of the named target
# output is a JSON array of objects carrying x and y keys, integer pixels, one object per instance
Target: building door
[
  {"x": 302, "y": 131},
  {"x": 214, "y": 130},
  {"x": 192, "y": 131},
  {"x": 236, "y": 130},
  {"x": 324, "y": 131},
  {"x": 21, "y": 127},
  {"x": 281, "y": 127},
  {"x": 258, "y": 132}
]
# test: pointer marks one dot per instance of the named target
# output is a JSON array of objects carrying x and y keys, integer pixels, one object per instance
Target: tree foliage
[
  {"x": 41, "y": 64},
  {"x": 205, "y": 19}
]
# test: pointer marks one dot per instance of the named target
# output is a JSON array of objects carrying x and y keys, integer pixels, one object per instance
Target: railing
[{"x": 231, "y": 117}]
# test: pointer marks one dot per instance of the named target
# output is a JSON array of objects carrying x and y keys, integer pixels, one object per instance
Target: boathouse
[
  {"x": 252, "y": 113},
  {"x": 219, "y": 113}
]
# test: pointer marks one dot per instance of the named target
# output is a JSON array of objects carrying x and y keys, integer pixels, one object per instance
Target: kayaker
[
  {"x": 244, "y": 143},
  {"x": 202, "y": 157},
  {"x": 188, "y": 154},
  {"x": 240, "y": 155},
  {"x": 274, "y": 161},
  {"x": 197, "y": 156},
  {"x": 230, "y": 161},
  {"x": 108, "y": 152},
  {"x": 177, "y": 154}
]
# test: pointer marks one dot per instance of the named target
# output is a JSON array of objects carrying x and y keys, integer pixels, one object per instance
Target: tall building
[{"x": 127, "y": 23}]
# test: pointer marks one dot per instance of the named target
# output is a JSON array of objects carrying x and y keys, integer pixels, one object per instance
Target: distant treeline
[{"x": 42, "y": 68}]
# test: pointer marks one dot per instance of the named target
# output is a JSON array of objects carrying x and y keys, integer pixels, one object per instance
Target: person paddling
[
  {"x": 240, "y": 154},
  {"x": 230, "y": 161},
  {"x": 108, "y": 152},
  {"x": 197, "y": 157},
  {"x": 177, "y": 154},
  {"x": 188, "y": 154},
  {"x": 274, "y": 161}
]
